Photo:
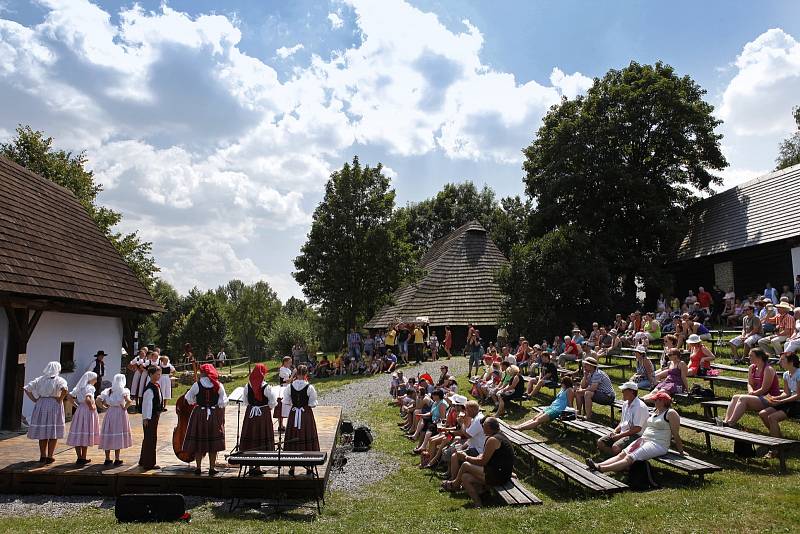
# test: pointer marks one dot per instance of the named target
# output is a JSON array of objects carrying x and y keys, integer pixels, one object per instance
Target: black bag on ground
[
  {"x": 743, "y": 449},
  {"x": 362, "y": 439},
  {"x": 347, "y": 427},
  {"x": 148, "y": 508},
  {"x": 640, "y": 476}
]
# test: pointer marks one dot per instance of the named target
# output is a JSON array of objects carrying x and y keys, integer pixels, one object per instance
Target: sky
[{"x": 213, "y": 126}]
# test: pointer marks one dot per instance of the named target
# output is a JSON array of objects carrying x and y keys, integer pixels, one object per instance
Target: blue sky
[{"x": 214, "y": 125}]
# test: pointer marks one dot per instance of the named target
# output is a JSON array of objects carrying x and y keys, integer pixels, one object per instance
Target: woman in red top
[
  {"x": 700, "y": 358},
  {"x": 762, "y": 380},
  {"x": 448, "y": 341}
]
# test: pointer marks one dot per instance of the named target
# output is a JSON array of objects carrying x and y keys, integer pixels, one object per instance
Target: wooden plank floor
[{"x": 20, "y": 471}]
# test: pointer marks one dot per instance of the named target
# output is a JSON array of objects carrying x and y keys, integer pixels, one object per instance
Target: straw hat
[{"x": 694, "y": 338}]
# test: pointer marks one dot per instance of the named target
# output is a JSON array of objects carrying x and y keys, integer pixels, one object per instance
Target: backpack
[
  {"x": 743, "y": 449},
  {"x": 640, "y": 476},
  {"x": 362, "y": 439}
]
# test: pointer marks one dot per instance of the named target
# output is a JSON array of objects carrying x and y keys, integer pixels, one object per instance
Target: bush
[{"x": 287, "y": 331}]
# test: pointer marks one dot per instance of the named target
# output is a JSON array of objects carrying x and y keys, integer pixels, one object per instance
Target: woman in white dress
[{"x": 165, "y": 382}]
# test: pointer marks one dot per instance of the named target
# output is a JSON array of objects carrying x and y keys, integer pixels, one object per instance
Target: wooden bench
[
  {"x": 516, "y": 437},
  {"x": 685, "y": 463},
  {"x": 733, "y": 381},
  {"x": 711, "y": 407},
  {"x": 514, "y": 493},
  {"x": 709, "y": 429},
  {"x": 552, "y": 384},
  {"x": 572, "y": 469},
  {"x": 731, "y": 368}
]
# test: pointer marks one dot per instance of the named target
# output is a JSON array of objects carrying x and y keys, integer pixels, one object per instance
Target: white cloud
[
  {"x": 335, "y": 20},
  {"x": 284, "y": 52}
]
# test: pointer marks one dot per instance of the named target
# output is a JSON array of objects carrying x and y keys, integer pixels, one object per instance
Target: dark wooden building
[
  {"x": 458, "y": 287},
  {"x": 743, "y": 237},
  {"x": 65, "y": 292}
]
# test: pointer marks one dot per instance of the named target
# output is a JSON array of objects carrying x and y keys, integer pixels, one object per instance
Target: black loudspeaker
[{"x": 150, "y": 507}]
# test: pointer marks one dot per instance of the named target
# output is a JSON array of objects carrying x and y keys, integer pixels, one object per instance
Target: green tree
[
  {"x": 157, "y": 327},
  {"x": 618, "y": 167},
  {"x": 353, "y": 258},
  {"x": 789, "y": 149},
  {"x": 288, "y": 330},
  {"x": 34, "y": 151},
  {"x": 250, "y": 310},
  {"x": 205, "y": 326}
]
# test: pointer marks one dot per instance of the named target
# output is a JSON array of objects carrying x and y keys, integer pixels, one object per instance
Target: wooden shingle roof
[
  {"x": 50, "y": 248},
  {"x": 458, "y": 286},
  {"x": 749, "y": 214}
]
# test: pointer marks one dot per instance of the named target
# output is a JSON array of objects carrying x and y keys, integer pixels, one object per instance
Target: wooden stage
[{"x": 20, "y": 472}]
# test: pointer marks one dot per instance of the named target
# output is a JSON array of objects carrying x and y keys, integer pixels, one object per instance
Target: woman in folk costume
[
  {"x": 84, "y": 431},
  {"x": 115, "y": 434},
  {"x": 301, "y": 429},
  {"x": 144, "y": 362},
  {"x": 284, "y": 377},
  {"x": 137, "y": 374},
  {"x": 206, "y": 431},
  {"x": 47, "y": 421},
  {"x": 257, "y": 431},
  {"x": 165, "y": 382}
]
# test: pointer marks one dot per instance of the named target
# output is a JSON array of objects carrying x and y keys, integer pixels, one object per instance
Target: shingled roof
[
  {"x": 744, "y": 216},
  {"x": 458, "y": 286},
  {"x": 51, "y": 248}
]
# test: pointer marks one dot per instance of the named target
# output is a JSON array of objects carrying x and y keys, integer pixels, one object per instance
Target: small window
[{"x": 67, "y": 357}]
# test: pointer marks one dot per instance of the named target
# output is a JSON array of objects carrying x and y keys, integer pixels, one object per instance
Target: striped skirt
[
  {"x": 258, "y": 433},
  {"x": 47, "y": 420},
  {"x": 84, "y": 430},
  {"x": 206, "y": 432},
  {"x": 116, "y": 430}
]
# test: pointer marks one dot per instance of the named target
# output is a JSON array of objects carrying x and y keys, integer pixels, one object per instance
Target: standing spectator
[
  {"x": 419, "y": 343},
  {"x": 380, "y": 344},
  {"x": 354, "y": 344},
  {"x": 433, "y": 344},
  {"x": 389, "y": 339},
  {"x": 675, "y": 303},
  {"x": 719, "y": 302},
  {"x": 369, "y": 345},
  {"x": 751, "y": 333},
  {"x": 797, "y": 290},
  {"x": 787, "y": 295},
  {"x": 784, "y": 328},
  {"x": 661, "y": 303},
  {"x": 502, "y": 337},
  {"x": 771, "y": 293},
  {"x": 448, "y": 341},
  {"x": 221, "y": 356},
  {"x": 705, "y": 299},
  {"x": 690, "y": 299},
  {"x": 596, "y": 387}
]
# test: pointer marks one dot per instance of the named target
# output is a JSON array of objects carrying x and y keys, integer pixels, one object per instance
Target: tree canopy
[
  {"x": 611, "y": 174},
  {"x": 353, "y": 258},
  {"x": 789, "y": 149},
  {"x": 34, "y": 151}
]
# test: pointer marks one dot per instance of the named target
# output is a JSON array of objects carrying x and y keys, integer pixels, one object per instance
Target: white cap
[{"x": 633, "y": 386}]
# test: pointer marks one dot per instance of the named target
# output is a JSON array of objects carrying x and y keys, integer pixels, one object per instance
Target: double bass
[{"x": 183, "y": 410}]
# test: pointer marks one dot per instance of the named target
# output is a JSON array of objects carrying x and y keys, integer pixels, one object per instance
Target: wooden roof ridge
[
  {"x": 50, "y": 248},
  {"x": 442, "y": 243}
]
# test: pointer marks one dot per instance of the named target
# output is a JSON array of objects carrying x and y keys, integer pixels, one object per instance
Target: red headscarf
[
  {"x": 211, "y": 372},
  {"x": 256, "y": 379}
]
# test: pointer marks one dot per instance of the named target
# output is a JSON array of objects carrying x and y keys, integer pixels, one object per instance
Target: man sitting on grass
[{"x": 631, "y": 423}]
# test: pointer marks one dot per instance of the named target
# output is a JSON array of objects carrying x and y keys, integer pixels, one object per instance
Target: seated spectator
[
  {"x": 631, "y": 424},
  {"x": 690, "y": 327},
  {"x": 450, "y": 386},
  {"x": 662, "y": 427},
  {"x": 489, "y": 382},
  {"x": 444, "y": 372},
  {"x": 690, "y": 299},
  {"x": 700, "y": 357},
  {"x": 428, "y": 422},
  {"x": 571, "y": 352},
  {"x": 670, "y": 342},
  {"x": 673, "y": 379},
  {"x": 430, "y": 455},
  {"x": 768, "y": 316},
  {"x": 470, "y": 438},
  {"x": 787, "y": 404},
  {"x": 548, "y": 373},
  {"x": 620, "y": 324},
  {"x": 595, "y": 388},
  {"x": 339, "y": 365},
  {"x": 558, "y": 345},
  {"x": 397, "y": 381},
  {"x": 389, "y": 361},
  {"x": 577, "y": 336},
  {"x": 610, "y": 344},
  {"x": 734, "y": 316},
  {"x": 762, "y": 381},
  {"x": 784, "y": 328},
  {"x": 751, "y": 333},
  {"x": 645, "y": 374},
  {"x": 493, "y": 467},
  {"x": 793, "y": 343},
  {"x": 564, "y": 399},
  {"x": 323, "y": 368},
  {"x": 513, "y": 390},
  {"x": 651, "y": 330},
  {"x": 704, "y": 300},
  {"x": 594, "y": 336}
]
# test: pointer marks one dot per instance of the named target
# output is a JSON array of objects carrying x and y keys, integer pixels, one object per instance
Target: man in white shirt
[
  {"x": 631, "y": 425},
  {"x": 151, "y": 411},
  {"x": 221, "y": 356}
]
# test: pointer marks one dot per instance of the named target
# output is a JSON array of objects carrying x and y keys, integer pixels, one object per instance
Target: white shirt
[
  {"x": 44, "y": 386},
  {"x": 284, "y": 373},
  {"x": 221, "y": 356},
  {"x": 191, "y": 395},
  {"x": 634, "y": 414},
  {"x": 113, "y": 399},
  {"x": 147, "y": 404},
  {"x": 272, "y": 401},
  {"x": 477, "y": 438},
  {"x": 791, "y": 382},
  {"x": 298, "y": 385}
]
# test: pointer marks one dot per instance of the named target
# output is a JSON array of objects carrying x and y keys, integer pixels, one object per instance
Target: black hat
[{"x": 100, "y": 353}]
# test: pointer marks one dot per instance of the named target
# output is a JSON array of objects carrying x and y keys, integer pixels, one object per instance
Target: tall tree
[
  {"x": 250, "y": 310},
  {"x": 789, "y": 149},
  {"x": 206, "y": 326},
  {"x": 156, "y": 327},
  {"x": 618, "y": 167},
  {"x": 353, "y": 258},
  {"x": 34, "y": 151}
]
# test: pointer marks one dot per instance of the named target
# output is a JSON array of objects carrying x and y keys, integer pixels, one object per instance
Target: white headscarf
[
  {"x": 116, "y": 394},
  {"x": 80, "y": 387},
  {"x": 52, "y": 370}
]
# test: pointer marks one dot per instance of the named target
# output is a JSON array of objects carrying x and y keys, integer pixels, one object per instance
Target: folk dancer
[
  {"x": 84, "y": 431},
  {"x": 115, "y": 434},
  {"x": 47, "y": 421},
  {"x": 206, "y": 431},
  {"x": 301, "y": 428}
]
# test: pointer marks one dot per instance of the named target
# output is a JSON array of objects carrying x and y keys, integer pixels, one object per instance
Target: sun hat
[
  {"x": 613, "y": 332},
  {"x": 633, "y": 386},
  {"x": 458, "y": 400},
  {"x": 785, "y": 306},
  {"x": 694, "y": 338},
  {"x": 590, "y": 361},
  {"x": 640, "y": 348}
]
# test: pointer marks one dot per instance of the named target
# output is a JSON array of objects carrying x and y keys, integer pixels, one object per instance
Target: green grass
[{"x": 749, "y": 495}]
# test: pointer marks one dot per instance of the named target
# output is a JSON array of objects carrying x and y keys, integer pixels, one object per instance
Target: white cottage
[{"x": 65, "y": 292}]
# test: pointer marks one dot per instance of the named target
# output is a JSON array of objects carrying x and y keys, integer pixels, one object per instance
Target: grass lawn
[{"x": 749, "y": 495}]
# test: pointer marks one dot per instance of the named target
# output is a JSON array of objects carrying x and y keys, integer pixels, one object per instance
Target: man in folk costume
[
  {"x": 151, "y": 412},
  {"x": 98, "y": 368},
  {"x": 284, "y": 377},
  {"x": 257, "y": 431},
  {"x": 206, "y": 431},
  {"x": 301, "y": 429}
]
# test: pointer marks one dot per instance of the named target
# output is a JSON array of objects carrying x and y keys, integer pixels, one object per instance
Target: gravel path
[{"x": 362, "y": 468}]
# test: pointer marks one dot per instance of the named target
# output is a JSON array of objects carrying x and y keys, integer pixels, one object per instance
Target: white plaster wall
[
  {"x": 89, "y": 333},
  {"x": 3, "y": 346}
]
